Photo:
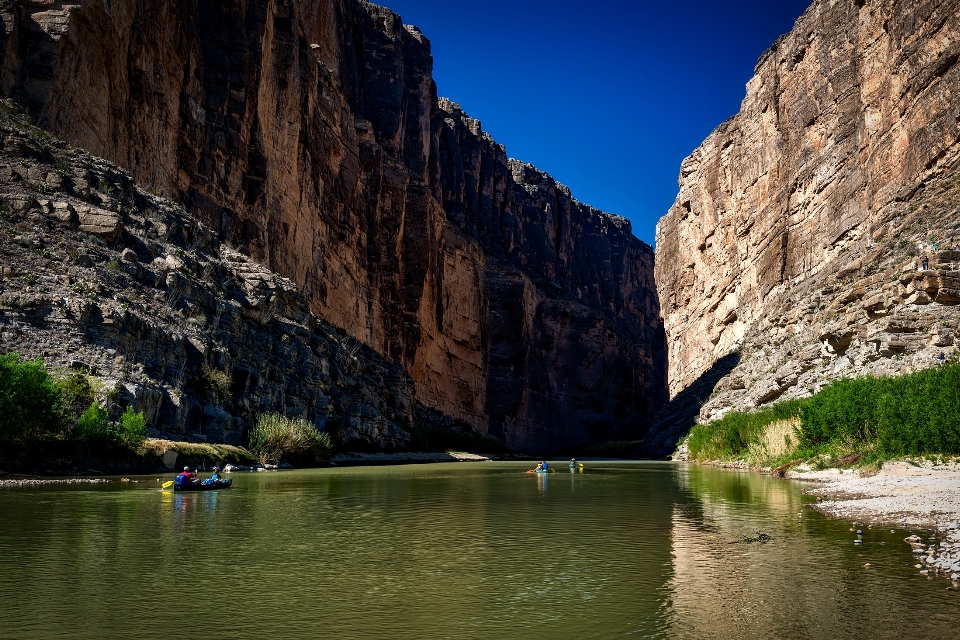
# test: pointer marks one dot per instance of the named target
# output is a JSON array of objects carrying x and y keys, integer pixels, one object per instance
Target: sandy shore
[
  {"x": 352, "y": 459},
  {"x": 924, "y": 496},
  {"x": 901, "y": 494}
]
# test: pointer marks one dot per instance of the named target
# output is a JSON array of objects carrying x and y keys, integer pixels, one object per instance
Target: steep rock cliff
[
  {"x": 99, "y": 277},
  {"x": 790, "y": 255},
  {"x": 309, "y": 135}
]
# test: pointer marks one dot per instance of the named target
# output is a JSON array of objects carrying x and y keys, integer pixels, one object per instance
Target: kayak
[
  {"x": 207, "y": 485},
  {"x": 549, "y": 470}
]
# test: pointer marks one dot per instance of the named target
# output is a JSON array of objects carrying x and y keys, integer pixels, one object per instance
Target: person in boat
[
  {"x": 216, "y": 474},
  {"x": 573, "y": 463},
  {"x": 186, "y": 477},
  {"x": 542, "y": 466}
]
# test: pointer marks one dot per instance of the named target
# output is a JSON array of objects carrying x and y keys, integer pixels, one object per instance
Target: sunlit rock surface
[
  {"x": 309, "y": 136},
  {"x": 795, "y": 242}
]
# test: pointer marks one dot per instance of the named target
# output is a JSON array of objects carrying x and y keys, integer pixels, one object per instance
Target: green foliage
[
  {"x": 29, "y": 401},
  {"x": 76, "y": 394},
  {"x": 132, "y": 428},
  {"x": 94, "y": 432},
  {"x": 275, "y": 437},
  {"x": 915, "y": 414},
  {"x": 731, "y": 436},
  {"x": 875, "y": 418},
  {"x": 197, "y": 453},
  {"x": 214, "y": 384}
]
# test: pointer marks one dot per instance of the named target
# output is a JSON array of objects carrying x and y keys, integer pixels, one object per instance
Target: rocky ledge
[{"x": 101, "y": 277}]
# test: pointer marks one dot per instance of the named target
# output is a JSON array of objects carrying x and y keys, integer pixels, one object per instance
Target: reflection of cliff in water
[{"x": 808, "y": 581}]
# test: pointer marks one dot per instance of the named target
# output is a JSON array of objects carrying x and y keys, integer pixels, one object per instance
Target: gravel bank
[
  {"x": 903, "y": 495},
  {"x": 354, "y": 459}
]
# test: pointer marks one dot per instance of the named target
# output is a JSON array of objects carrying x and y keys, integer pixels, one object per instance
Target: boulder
[{"x": 99, "y": 222}]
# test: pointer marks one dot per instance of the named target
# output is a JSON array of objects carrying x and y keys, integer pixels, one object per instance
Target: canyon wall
[
  {"x": 791, "y": 254},
  {"x": 309, "y": 136}
]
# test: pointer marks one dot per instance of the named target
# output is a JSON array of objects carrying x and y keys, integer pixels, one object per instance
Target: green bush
[
  {"x": 29, "y": 402},
  {"x": 914, "y": 414},
  {"x": 275, "y": 437},
  {"x": 731, "y": 436},
  {"x": 880, "y": 418},
  {"x": 133, "y": 428},
  {"x": 214, "y": 384},
  {"x": 76, "y": 394},
  {"x": 93, "y": 432}
]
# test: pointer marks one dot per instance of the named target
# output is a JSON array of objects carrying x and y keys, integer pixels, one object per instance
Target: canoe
[
  {"x": 549, "y": 470},
  {"x": 213, "y": 486}
]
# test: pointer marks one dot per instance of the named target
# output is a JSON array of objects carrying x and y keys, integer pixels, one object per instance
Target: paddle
[{"x": 167, "y": 484}]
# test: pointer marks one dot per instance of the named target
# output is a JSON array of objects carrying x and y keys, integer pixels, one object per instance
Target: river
[{"x": 459, "y": 550}]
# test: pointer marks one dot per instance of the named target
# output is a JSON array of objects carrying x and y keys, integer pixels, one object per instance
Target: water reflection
[
  {"x": 455, "y": 551},
  {"x": 808, "y": 581}
]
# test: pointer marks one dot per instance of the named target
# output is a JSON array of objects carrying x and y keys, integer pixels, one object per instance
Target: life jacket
[{"x": 182, "y": 480}]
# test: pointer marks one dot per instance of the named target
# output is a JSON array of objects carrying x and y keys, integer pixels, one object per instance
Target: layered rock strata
[
  {"x": 309, "y": 136},
  {"x": 99, "y": 277},
  {"x": 796, "y": 236}
]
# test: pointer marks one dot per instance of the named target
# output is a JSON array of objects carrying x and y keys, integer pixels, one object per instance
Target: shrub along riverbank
[
  {"x": 61, "y": 423},
  {"x": 861, "y": 420}
]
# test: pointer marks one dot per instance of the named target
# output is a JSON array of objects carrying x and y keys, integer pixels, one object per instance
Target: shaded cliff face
[
  {"x": 791, "y": 240},
  {"x": 310, "y": 136},
  {"x": 99, "y": 277}
]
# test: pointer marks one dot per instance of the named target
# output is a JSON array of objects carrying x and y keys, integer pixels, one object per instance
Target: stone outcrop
[
  {"x": 796, "y": 237},
  {"x": 112, "y": 282},
  {"x": 309, "y": 136}
]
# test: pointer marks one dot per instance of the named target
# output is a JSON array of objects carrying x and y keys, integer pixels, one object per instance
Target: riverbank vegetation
[
  {"x": 58, "y": 419},
  {"x": 862, "y": 420},
  {"x": 195, "y": 454},
  {"x": 61, "y": 422},
  {"x": 275, "y": 437}
]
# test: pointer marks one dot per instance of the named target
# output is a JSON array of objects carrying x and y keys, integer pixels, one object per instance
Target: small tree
[
  {"x": 215, "y": 384},
  {"x": 76, "y": 394},
  {"x": 29, "y": 401},
  {"x": 133, "y": 428},
  {"x": 93, "y": 432}
]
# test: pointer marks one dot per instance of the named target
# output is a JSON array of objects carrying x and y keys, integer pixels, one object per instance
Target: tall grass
[
  {"x": 275, "y": 437},
  {"x": 880, "y": 418},
  {"x": 731, "y": 436}
]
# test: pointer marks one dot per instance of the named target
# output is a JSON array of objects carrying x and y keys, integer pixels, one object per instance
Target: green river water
[{"x": 469, "y": 550}]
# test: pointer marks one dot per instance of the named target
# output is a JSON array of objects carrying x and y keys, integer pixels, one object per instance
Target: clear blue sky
[{"x": 608, "y": 97}]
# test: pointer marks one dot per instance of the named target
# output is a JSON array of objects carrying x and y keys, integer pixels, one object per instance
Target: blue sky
[{"x": 608, "y": 97}]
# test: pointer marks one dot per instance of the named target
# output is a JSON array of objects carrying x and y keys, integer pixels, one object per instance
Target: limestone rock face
[
  {"x": 794, "y": 235},
  {"x": 309, "y": 135},
  {"x": 166, "y": 319}
]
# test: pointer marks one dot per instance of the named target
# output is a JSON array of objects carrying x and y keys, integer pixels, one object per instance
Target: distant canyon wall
[
  {"x": 789, "y": 257},
  {"x": 310, "y": 136}
]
